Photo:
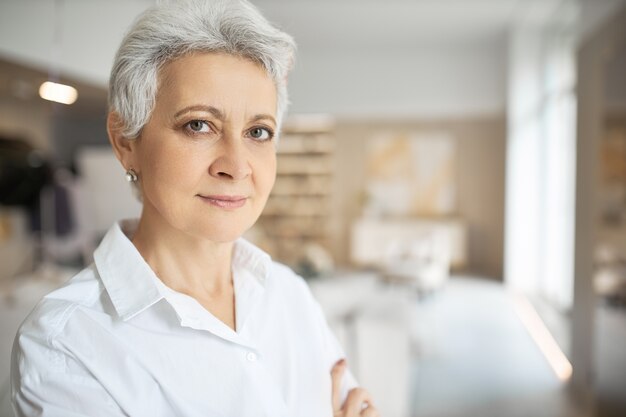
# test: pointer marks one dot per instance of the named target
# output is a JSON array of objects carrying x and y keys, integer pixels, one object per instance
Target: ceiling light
[{"x": 60, "y": 93}]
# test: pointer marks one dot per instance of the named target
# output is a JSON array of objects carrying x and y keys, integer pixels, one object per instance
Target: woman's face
[{"x": 206, "y": 159}]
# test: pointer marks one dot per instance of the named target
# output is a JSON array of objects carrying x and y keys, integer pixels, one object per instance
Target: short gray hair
[{"x": 171, "y": 30}]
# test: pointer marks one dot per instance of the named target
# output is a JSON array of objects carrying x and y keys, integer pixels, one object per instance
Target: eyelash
[
  {"x": 192, "y": 132},
  {"x": 270, "y": 133}
]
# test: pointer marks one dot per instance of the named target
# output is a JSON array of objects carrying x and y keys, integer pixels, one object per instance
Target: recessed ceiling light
[{"x": 59, "y": 93}]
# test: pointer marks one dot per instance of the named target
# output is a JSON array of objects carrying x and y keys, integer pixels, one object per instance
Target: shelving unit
[{"x": 298, "y": 210}]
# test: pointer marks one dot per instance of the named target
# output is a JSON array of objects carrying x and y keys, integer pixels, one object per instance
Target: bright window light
[
  {"x": 59, "y": 93},
  {"x": 542, "y": 337}
]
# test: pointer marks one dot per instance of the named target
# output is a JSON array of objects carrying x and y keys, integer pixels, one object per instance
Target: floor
[{"x": 475, "y": 358}]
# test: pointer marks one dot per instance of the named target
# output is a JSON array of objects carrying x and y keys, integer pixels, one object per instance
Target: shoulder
[
  {"x": 47, "y": 372},
  {"x": 50, "y": 316},
  {"x": 286, "y": 280},
  {"x": 294, "y": 293}
]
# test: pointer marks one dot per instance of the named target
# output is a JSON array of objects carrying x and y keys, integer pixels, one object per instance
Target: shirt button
[{"x": 251, "y": 356}]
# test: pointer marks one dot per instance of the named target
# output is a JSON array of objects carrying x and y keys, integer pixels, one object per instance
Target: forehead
[{"x": 216, "y": 79}]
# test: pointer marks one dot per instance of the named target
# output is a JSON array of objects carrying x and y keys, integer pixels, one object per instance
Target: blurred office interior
[{"x": 451, "y": 183}]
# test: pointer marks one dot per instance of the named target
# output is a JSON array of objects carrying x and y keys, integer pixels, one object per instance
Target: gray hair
[{"x": 171, "y": 30}]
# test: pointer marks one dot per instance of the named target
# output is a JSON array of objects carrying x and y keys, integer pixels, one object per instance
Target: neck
[{"x": 188, "y": 264}]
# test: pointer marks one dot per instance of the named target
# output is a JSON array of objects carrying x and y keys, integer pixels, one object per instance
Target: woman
[{"x": 179, "y": 316}]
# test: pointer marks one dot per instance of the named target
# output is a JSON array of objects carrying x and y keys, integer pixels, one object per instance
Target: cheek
[
  {"x": 169, "y": 168},
  {"x": 267, "y": 174}
]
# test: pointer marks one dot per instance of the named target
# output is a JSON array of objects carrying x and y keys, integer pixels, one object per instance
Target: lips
[{"x": 224, "y": 201}]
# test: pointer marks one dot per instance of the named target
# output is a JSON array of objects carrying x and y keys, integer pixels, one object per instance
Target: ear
[{"x": 123, "y": 147}]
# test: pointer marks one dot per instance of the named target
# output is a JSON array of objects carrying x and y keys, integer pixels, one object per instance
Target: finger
[
  {"x": 354, "y": 403},
  {"x": 336, "y": 375},
  {"x": 370, "y": 411}
]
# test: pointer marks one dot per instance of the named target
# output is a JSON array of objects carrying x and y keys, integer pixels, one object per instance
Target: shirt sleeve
[
  {"x": 47, "y": 382},
  {"x": 334, "y": 350},
  {"x": 336, "y": 353}
]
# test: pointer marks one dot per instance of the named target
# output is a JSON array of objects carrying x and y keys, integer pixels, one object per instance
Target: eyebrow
[{"x": 218, "y": 113}]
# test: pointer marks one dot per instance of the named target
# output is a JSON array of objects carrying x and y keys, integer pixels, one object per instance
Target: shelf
[
  {"x": 281, "y": 175},
  {"x": 302, "y": 185},
  {"x": 294, "y": 215},
  {"x": 290, "y": 205},
  {"x": 304, "y": 164},
  {"x": 316, "y": 144},
  {"x": 310, "y": 123},
  {"x": 296, "y": 234},
  {"x": 298, "y": 211}
]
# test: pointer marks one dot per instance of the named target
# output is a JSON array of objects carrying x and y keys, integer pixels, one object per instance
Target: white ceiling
[
  {"x": 92, "y": 29},
  {"x": 364, "y": 23},
  {"x": 388, "y": 23}
]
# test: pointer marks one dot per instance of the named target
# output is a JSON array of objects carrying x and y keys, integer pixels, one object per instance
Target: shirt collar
[
  {"x": 248, "y": 256},
  {"x": 127, "y": 277},
  {"x": 133, "y": 286}
]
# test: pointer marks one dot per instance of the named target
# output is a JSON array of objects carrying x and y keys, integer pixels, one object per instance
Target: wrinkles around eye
[{"x": 202, "y": 127}]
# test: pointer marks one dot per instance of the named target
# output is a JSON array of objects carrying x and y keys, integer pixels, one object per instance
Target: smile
[{"x": 224, "y": 201}]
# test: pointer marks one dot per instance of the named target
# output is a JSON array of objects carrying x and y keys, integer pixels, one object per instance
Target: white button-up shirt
[{"x": 116, "y": 341}]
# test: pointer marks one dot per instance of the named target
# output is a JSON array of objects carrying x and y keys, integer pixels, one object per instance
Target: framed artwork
[{"x": 411, "y": 174}]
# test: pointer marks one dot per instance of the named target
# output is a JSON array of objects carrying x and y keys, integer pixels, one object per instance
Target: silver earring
[{"x": 131, "y": 175}]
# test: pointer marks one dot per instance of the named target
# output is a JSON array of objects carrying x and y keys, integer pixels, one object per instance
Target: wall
[
  {"x": 481, "y": 159},
  {"x": 26, "y": 120},
  {"x": 613, "y": 234},
  {"x": 615, "y": 87},
  {"x": 592, "y": 58},
  {"x": 54, "y": 129},
  {"x": 425, "y": 81}
]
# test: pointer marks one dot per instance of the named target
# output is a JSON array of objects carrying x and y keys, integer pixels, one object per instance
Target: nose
[{"x": 232, "y": 160}]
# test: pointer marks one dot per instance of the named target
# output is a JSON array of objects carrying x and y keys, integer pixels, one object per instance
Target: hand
[{"x": 357, "y": 404}]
